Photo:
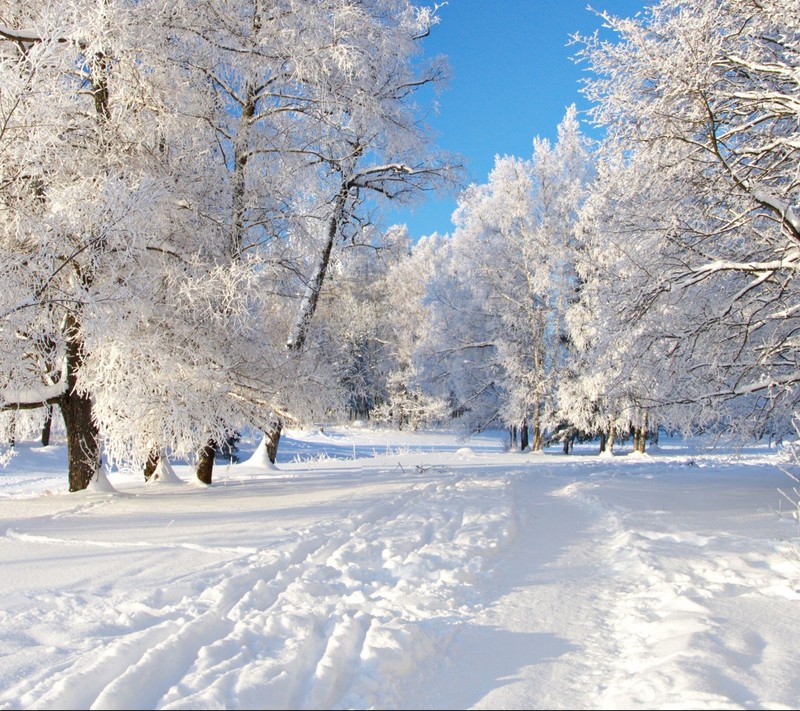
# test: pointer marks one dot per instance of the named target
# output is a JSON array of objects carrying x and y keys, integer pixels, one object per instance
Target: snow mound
[
  {"x": 165, "y": 474},
  {"x": 100, "y": 483},
  {"x": 260, "y": 458}
]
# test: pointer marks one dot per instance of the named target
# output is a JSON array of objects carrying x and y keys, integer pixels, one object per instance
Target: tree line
[
  {"x": 608, "y": 289},
  {"x": 189, "y": 238}
]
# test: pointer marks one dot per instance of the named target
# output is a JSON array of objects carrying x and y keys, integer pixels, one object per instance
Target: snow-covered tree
[
  {"x": 169, "y": 175},
  {"x": 512, "y": 256},
  {"x": 407, "y": 402},
  {"x": 456, "y": 356},
  {"x": 369, "y": 323},
  {"x": 373, "y": 142},
  {"x": 694, "y": 221},
  {"x": 355, "y": 321},
  {"x": 88, "y": 199}
]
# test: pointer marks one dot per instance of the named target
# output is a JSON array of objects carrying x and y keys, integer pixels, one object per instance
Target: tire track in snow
[
  {"x": 272, "y": 627},
  {"x": 61, "y": 541},
  {"x": 343, "y": 598},
  {"x": 75, "y": 686}
]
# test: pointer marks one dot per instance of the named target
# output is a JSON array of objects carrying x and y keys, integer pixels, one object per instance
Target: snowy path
[
  {"x": 602, "y": 615},
  {"x": 513, "y": 654},
  {"x": 449, "y": 580}
]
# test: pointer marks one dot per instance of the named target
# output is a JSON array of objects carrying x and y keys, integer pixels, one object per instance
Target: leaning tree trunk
[{"x": 308, "y": 306}]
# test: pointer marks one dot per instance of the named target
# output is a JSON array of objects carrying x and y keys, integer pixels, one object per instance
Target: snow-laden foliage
[
  {"x": 355, "y": 325},
  {"x": 691, "y": 234},
  {"x": 370, "y": 321},
  {"x": 171, "y": 179},
  {"x": 497, "y": 340}
]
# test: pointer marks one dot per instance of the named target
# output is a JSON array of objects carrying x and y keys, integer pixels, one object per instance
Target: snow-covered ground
[{"x": 376, "y": 569}]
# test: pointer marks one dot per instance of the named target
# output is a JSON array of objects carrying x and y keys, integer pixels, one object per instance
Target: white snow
[{"x": 375, "y": 569}]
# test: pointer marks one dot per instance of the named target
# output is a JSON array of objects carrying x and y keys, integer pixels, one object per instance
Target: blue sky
[{"x": 512, "y": 80}]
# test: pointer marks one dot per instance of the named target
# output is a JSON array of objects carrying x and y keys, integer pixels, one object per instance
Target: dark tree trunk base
[
  {"x": 273, "y": 435},
  {"x": 83, "y": 446},
  {"x": 47, "y": 426},
  {"x": 205, "y": 463},
  {"x": 151, "y": 464}
]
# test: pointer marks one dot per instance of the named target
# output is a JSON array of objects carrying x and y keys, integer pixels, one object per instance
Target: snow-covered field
[{"x": 378, "y": 569}]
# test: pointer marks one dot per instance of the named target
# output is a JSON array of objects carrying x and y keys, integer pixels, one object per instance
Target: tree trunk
[
  {"x": 537, "y": 443},
  {"x": 83, "y": 437},
  {"x": 273, "y": 435},
  {"x": 602, "y": 442},
  {"x": 83, "y": 446},
  {"x": 12, "y": 435},
  {"x": 523, "y": 437},
  {"x": 47, "y": 426},
  {"x": 610, "y": 443},
  {"x": 654, "y": 435},
  {"x": 241, "y": 155},
  {"x": 643, "y": 435},
  {"x": 537, "y": 440},
  {"x": 297, "y": 336},
  {"x": 205, "y": 463},
  {"x": 308, "y": 306},
  {"x": 151, "y": 464}
]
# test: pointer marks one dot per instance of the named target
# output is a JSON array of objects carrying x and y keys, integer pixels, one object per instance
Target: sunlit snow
[{"x": 385, "y": 569}]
